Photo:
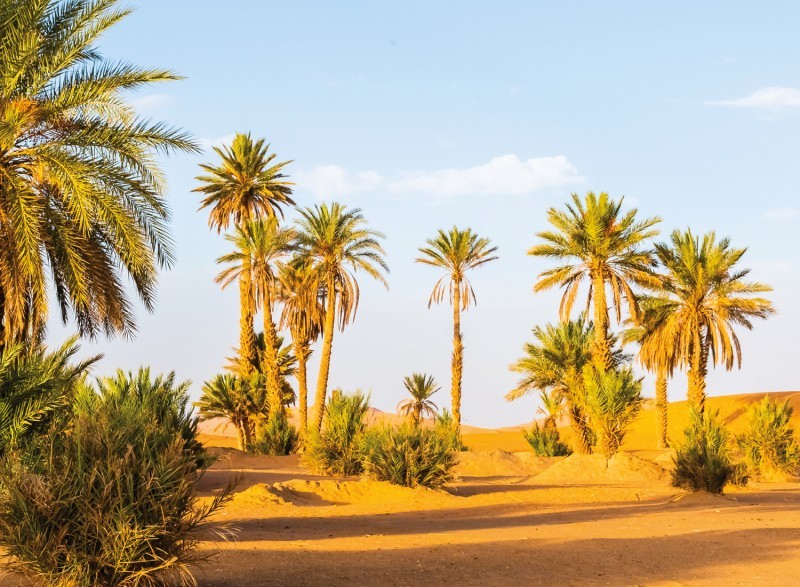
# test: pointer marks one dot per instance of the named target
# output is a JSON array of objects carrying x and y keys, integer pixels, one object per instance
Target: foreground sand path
[{"x": 501, "y": 530}]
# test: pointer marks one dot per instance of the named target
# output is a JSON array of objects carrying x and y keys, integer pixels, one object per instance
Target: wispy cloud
[
  {"x": 772, "y": 98},
  {"x": 207, "y": 143},
  {"x": 782, "y": 214},
  {"x": 152, "y": 103},
  {"x": 503, "y": 175}
]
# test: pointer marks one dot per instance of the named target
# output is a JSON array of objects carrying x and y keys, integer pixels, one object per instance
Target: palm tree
[
  {"x": 302, "y": 314},
  {"x": 82, "y": 204},
  {"x": 336, "y": 243},
  {"x": 421, "y": 387},
  {"x": 35, "y": 385},
  {"x": 231, "y": 397},
  {"x": 655, "y": 355},
  {"x": 457, "y": 252},
  {"x": 604, "y": 246},
  {"x": 247, "y": 185},
  {"x": 706, "y": 297},
  {"x": 259, "y": 247},
  {"x": 554, "y": 366}
]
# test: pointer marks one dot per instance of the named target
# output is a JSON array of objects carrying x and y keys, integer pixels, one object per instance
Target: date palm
[
  {"x": 336, "y": 243},
  {"x": 605, "y": 247},
  {"x": 554, "y": 366},
  {"x": 302, "y": 314},
  {"x": 82, "y": 199},
  {"x": 259, "y": 247},
  {"x": 457, "y": 252},
  {"x": 706, "y": 298},
  {"x": 247, "y": 184},
  {"x": 421, "y": 387},
  {"x": 231, "y": 397}
]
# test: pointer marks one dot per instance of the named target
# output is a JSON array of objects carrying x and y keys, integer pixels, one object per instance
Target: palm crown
[
  {"x": 82, "y": 196},
  {"x": 419, "y": 405}
]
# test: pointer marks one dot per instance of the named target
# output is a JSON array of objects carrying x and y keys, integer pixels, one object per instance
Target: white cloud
[
  {"x": 772, "y": 98},
  {"x": 207, "y": 143},
  {"x": 152, "y": 103},
  {"x": 504, "y": 175},
  {"x": 782, "y": 214}
]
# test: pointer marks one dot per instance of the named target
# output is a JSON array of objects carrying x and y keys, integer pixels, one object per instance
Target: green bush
[
  {"x": 339, "y": 448},
  {"x": 613, "y": 400},
  {"x": 769, "y": 444},
  {"x": 447, "y": 428},
  {"x": 703, "y": 462},
  {"x": 409, "y": 455},
  {"x": 275, "y": 437},
  {"x": 546, "y": 442},
  {"x": 108, "y": 500}
]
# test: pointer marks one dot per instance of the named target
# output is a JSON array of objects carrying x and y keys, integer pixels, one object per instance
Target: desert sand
[{"x": 510, "y": 518}]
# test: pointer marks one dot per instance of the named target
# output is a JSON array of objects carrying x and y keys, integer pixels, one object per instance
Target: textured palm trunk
[
  {"x": 458, "y": 354},
  {"x": 247, "y": 336},
  {"x": 325, "y": 357},
  {"x": 240, "y": 435},
  {"x": 697, "y": 374},
  {"x": 580, "y": 431},
  {"x": 274, "y": 396},
  {"x": 601, "y": 351},
  {"x": 661, "y": 408},
  {"x": 301, "y": 352}
]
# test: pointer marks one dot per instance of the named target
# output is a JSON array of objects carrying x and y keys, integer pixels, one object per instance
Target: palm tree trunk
[
  {"x": 247, "y": 336},
  {"x": 601, "y": 351},
  {"x": 697, "y": 374},
  {"x": 239, "y": 434},
  {"x": 458, "y": 354},
  {"x": 325, "y": 357},
  {"x": 661, "y": 408},
  {"x": 301, "y": 352},
  {"x": 274, "y": 396},
  {"x": 580, "y": 431}
]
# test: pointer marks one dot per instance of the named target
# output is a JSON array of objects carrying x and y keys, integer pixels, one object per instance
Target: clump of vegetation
[
  {"x": 447, "y": 428},
  {"x": 35, "y": 386},
  {"x": 338, "y": 449},
  {"x": 770, "y": 445},
  {"x": 410, "y": 455},
  {"x": 546, "y": 442},
  {"x": 703, "y": 462},
  {"x": 276, "y": 436},
  {"x": 613, "y": 400},
  {"x": 108, "y": 498}
]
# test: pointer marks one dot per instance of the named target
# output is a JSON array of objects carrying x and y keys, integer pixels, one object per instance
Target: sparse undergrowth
[
  {"x": 769, "y": 444},
  {"x": 275, "y": 437},
  {"x": 546, "y": 442},
  {"x": 338, "y": 449}
]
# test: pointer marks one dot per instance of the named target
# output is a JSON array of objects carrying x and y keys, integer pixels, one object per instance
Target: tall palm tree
[
  {"x": 554, "y": 366},
  {"x": 706, "y": 297},
  {"x": 457, "y": 252},
  {"x": 82, "y": 199},
  {"x": 247, "y": 185},
  {"x": 259, "y": 246},
  {"x": 336, "y": 243},
  {"x": 421, "y": 387},
  {"x": 655, "y": 355},
  {"x": 604, "y": 246},
  {"x": 302, "y": 314}
]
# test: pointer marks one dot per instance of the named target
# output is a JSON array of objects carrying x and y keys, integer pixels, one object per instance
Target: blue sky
[{"x": 428, "y": 114}]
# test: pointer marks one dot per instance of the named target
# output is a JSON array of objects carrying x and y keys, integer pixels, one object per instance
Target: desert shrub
[
  {"x": 447, "y": 428},
  {"x": 546, "y": 442},
  {"x": 409, "y": 455},
  {"x": 338, "y": 449},
  {"x": 35, "y": 387},
  {"x": 769, "y": 444},
  {"x": 109, "y": 500},
  {"x": 703, "y": 460},
  {"x": 613, "y": 400},
  {"x": 276, "y": 436}
]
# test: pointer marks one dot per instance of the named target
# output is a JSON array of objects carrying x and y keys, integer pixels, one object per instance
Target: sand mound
[
  {"x": 499, "y": 463},
  {"x": 331, "y": 492},
  {"x": 621, "y": 468}
]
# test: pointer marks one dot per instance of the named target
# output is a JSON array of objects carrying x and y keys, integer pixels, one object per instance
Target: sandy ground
[{"x": 530, "y": 521}]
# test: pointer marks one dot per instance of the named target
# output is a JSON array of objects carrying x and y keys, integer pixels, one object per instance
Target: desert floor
[{"x": 510, "y": 519}]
